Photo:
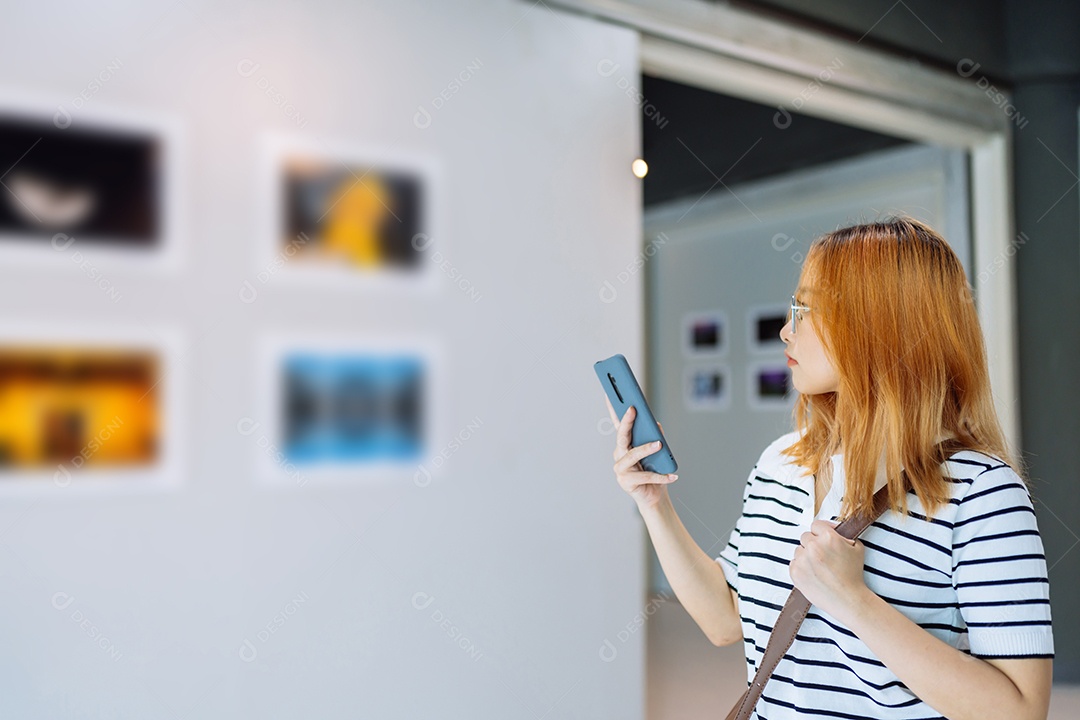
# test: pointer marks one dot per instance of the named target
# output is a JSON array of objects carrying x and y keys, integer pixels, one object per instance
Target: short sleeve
[
  {"x": 999, "y": 569},
  {"x": 729, "y": 556}
]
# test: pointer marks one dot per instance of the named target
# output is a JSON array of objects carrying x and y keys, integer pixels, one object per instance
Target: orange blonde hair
[{"x": 894, "y": 311}]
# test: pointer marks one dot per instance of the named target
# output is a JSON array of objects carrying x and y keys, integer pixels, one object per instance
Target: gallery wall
[{"x": 298, "y": 416}]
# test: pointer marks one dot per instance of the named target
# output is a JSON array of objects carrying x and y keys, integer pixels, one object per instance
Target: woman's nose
[{"x": 785, "y": 332}]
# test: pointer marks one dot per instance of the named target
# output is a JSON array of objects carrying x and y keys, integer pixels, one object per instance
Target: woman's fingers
[
  {"x": 634, "y": 479},
  {"x": 611, "y": 411},
  {"x": 625, "y": 456},
  {"x": 634, "y": 455},
  {"x": 619, "y": 450},
  {"x": 628, "y": 470},
  {"x": 622, "y": 438},
  {"x": 649, "y": 478}
]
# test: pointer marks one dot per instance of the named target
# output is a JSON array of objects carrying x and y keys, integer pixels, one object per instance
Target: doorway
[
  {"x": 742, "y": 65},
  {"x": 732, "y": 201}
]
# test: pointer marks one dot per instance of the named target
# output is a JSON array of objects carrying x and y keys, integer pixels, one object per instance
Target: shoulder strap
[{"x": 796, "y": 607}]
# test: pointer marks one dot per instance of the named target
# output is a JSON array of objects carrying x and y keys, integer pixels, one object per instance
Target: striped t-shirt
[{"x": 974, "y": 576}]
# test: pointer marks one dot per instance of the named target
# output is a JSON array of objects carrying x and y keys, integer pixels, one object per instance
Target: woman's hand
[
  {"x": 828, "y": 568},
  {"x": 647, "y": 488}
]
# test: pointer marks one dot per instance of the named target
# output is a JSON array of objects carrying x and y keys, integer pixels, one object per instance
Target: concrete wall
[{"x": 1046, "y": 88}]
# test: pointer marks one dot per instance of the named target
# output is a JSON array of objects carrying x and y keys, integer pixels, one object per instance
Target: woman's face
[{"x": 813, "y": 372}]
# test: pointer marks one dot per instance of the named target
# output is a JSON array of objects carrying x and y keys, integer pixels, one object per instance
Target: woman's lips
[{"x": 791, "y": 361}]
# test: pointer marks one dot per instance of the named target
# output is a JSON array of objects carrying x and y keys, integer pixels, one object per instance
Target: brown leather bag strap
[{"x": 796, "y": 607}]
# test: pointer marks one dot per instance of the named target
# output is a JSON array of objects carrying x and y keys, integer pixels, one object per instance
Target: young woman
[{"x": 940, "y": 609}]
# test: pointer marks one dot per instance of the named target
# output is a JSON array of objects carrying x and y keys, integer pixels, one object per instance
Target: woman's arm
[
  {"x": 828, "y": 569},
  {"x": 957, "y": 685},
  {"x": 697, "y": 579}
]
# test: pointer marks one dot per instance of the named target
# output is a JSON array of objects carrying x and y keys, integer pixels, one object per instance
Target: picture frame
[
  {"x": 705, "y": 334},
  {"x": 101, "y": 190},
  {"x": 76, "y": 474},
  {"x": 332, "y": 359},
  {"x": 763, "y": 324},
  {"x": 707, "y": 388},
  {"x": 346, "y": 216},
  {"x": 769, "y": 385}
]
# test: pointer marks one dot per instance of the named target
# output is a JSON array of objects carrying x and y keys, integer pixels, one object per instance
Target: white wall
[{"x": 524, "y": 542}]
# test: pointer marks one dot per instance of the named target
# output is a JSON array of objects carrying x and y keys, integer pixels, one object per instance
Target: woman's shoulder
[
  {"x": 964, "y": 466},
  {"x": 772, "y": 458},
  {"x": 974, "y": 472},
  {"x": 976, "y": 460}
]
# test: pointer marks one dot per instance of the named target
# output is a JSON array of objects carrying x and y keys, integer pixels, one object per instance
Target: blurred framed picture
[
  {"x": 707, "y": 387},
  {"x": 346, "y": 410},
  {"x": 350, "y": 407},
  {"x": 705, "y": 333},
  {"x": 91, "y": 409},
  {"x": 763, "y": 325},
  {"x": 348, "y": 216},
  {"x": 88, "y": 190},
  {"x": 769, "y": 386}
]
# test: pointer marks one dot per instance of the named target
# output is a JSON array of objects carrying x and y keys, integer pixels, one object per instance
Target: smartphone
[{"x": 623, "y": 390}]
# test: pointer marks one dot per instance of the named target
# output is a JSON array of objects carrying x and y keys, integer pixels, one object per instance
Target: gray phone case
[{"x": 623, "y": 390}]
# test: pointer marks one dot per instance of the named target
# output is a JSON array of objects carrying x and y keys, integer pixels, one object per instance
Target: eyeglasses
[{"x": 796, "y": 313}]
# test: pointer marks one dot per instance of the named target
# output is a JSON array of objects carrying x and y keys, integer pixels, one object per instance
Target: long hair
[{"x": 894, "y": 311}]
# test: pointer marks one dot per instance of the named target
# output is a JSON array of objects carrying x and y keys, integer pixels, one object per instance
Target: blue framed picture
[{"x": 352, "y": 408}]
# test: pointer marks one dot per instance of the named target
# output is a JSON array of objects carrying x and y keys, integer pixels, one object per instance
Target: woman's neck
[{"x": 943, "y": 434}]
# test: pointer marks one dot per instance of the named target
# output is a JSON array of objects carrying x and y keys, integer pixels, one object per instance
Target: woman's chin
[{"x": 806, "y": 388}]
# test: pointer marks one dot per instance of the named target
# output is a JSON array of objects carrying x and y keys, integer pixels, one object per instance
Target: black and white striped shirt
[{"x": 975, "y": 576}]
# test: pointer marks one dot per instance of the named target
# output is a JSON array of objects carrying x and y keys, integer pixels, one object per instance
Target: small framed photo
[
  {"x": 705, "y": 333},
  {"x": 769, "y": 386},
  {"x": 763, "y": 325},
  {"x": 345, "y": 411},
  {"x": 341, "y": 215},
  {"x": 89, "y": 410},
  {"x": 89, "y": 190},
  {"x": 707, "y": 387}
]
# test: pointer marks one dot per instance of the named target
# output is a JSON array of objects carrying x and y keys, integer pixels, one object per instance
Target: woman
[{"x": 941, "y": 607}]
